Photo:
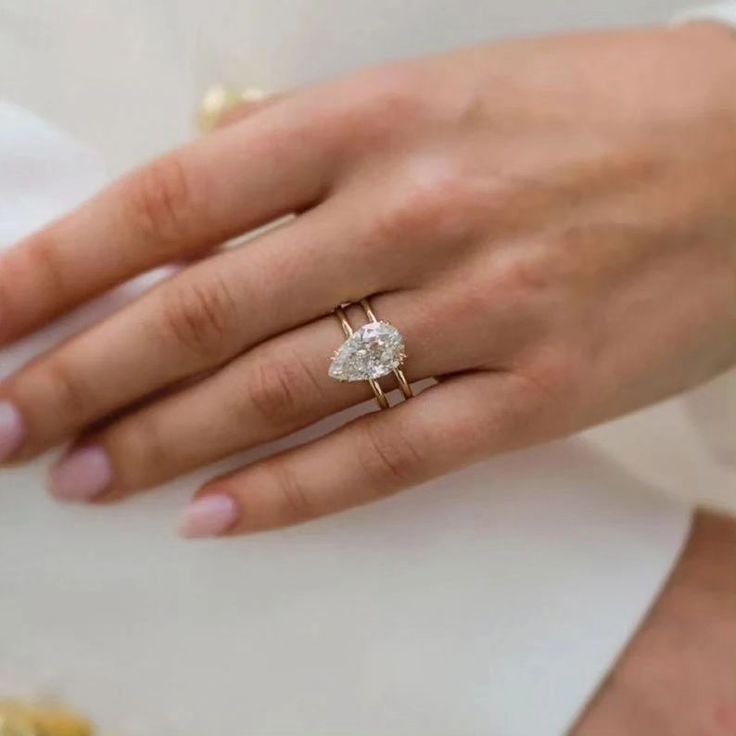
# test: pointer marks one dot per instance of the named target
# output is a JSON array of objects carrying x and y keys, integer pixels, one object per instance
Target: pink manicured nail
[
  {"x": 11, "y": 429},
  {"x": 208, "y": 516},
  {"x": 82, "y": 475}
]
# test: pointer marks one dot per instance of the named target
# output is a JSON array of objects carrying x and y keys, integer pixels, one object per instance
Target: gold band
[
  {"x": 404, "y": 385},
  {"x": 375, "y": 386},
  {"x": 401, "y": 379}
]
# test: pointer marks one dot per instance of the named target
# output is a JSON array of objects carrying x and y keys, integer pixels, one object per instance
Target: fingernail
[
  {"x": 11, "y": 429},
  {"x": 82, "y": 475},
  {"x": 208, "y": 516}
]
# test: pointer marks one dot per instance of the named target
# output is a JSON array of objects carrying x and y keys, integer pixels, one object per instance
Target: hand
[
  {"x": 550, "y": 223},
  {"x": 677, "y": 675}
]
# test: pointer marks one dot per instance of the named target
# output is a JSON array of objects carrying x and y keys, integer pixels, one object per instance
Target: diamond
[{"x": 374, "y": 350}]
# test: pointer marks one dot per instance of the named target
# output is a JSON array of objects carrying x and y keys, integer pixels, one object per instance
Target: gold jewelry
[
  {"x": 21, "y": 719},
  {"x": 374, "y": 350},
  {"x": 219, "y": 100},
  {"x": 404, "y": 385}
]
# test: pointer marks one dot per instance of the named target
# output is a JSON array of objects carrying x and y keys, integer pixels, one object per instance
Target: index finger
[{"x": 243, "y": 176}]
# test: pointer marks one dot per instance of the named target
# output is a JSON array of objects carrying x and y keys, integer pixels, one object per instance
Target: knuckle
[
  {"x": 559, "y": 373},
  {"x": 552, "y": 382},
  {"x": 387, "y": 100},
  {"x": 409, "y": 213},
  {"x": 71, "y": 398},
  {"x": 141, "y": 451},
  {"x": 201, "y": 315},
  {"x": 523, "y": 274},
  {"x": 294, "y": 502},
  {"x": 281, "y": 391},
  {"x": 432, "y": 202},
  {"x": 42, "y": 260},
  {"x": 389, "y": 462},
  {"x": 160, "y": 199}
]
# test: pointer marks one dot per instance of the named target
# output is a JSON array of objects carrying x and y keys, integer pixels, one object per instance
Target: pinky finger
[{"x": 448, "y": 426}]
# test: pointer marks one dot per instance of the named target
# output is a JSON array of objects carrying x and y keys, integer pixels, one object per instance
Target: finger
[
  {"x": 197, "y": 320},
  {"x": 271, "y": 164},
  {"x": 220, "y": 108},
  {"x": 277, "y": 388},
  {"x": 447, "y": 426}
]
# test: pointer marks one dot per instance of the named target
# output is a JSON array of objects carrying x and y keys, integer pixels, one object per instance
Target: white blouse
[{"x": 492, "y": 601}]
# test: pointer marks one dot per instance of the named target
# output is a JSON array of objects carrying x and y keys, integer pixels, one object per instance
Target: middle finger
[{"x": 195, "y": 321}]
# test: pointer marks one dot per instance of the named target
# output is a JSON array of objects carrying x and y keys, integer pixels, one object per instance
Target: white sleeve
[
  {"x": 712, "y": 407},
  {"x": 724, "y": 12}
]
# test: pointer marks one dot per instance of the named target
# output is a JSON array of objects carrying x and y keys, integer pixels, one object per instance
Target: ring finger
[
  {"x": 273, "y": 390},
  {"x": 197, "y": 320}
]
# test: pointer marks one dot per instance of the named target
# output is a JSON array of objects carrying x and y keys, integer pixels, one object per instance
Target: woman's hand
[{"x": 550, "y": 223}]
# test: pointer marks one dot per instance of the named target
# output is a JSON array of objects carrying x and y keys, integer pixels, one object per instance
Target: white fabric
[
  {"x": 491, "y": 602},
  {"x": 719, "y": 12},
  {"x": 126, "y": 78},
  {"x": 713, "y": 408}
]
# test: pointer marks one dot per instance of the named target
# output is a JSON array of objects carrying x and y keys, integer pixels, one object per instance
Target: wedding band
[{"x": 369, "y": 353}]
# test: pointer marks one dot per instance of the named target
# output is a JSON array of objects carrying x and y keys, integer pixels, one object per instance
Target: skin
[{"x": 678, "y": 675}]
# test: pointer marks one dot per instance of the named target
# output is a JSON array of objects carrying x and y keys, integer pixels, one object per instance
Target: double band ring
[{"x": 369, "y": 353}]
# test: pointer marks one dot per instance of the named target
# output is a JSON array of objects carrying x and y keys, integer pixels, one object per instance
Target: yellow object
[
  {"x": 15, "y": 722},
  {"x": 20, "y": 719},
  {"x": 218, "y": 100},
  {"x": 57, "y": 722}
]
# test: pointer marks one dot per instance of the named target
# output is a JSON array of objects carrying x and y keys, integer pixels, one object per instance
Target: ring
[{"x": 369, "y": 353}]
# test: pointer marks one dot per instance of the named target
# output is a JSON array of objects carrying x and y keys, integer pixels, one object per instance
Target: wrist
[{"x": 677, "y": 675}]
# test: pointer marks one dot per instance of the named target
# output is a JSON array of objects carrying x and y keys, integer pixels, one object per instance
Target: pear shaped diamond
[{"x": 374, "y": 350}]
